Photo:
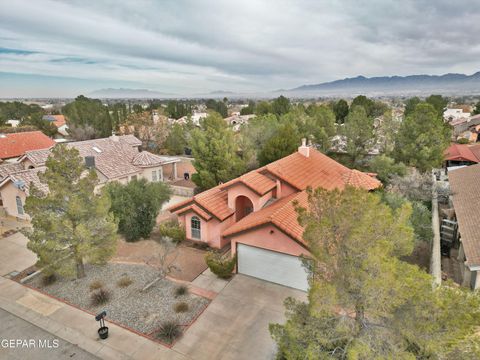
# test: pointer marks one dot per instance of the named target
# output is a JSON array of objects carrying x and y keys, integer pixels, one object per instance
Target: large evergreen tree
[
  {"x": 136, "y": 206},
  {"x": 284, "y": 142},
  {"x": 340, "y": 108},
  {"x": 70, "y": 224},
  {"x": 84, "y": 113},
  {"x": 359, "y": 134},
  {"x": 422, "y": 138},
  {"x": 364, "y": 302},
  {"x": 215, "y": 152}
]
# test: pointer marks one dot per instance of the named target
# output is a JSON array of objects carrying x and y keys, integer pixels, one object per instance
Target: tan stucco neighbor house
[
  {"x": 255, "y": 213},
  {"x": 116, "y": 158}
]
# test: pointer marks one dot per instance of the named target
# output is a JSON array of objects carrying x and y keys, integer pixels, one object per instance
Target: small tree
[
  {"x": 136, "y": 206},
  {"x": 340, "y": 108},
  {"x": 69, "y": 223}
]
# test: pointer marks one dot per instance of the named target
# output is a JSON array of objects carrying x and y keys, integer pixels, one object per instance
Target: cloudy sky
[{"x": 185, "y": 47}]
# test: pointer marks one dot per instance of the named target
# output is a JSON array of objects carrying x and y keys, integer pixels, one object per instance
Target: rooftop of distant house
[{"x": 16, "y": 144}]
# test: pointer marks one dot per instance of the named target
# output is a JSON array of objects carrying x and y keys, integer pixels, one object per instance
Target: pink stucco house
[{"x": 254, "y": 213}]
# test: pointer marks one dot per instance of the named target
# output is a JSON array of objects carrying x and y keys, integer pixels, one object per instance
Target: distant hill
[
  {"x": 394, "y": 85},
  {"x": 128, "y": 93}
]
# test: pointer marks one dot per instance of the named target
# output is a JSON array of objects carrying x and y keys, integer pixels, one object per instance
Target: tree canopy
[
  {"x": 364, "y": 302},
  {"x": 359, "y": 134},
  {"x": 422, "y": 138},
  {"x": 284, "y": 142},
  {"x": 215, "y": 152},
  {"x": 70, "y": 224},
  {"x": 340, "y": 108},
  {"x": 84, "y": 112},
  {"x": 136, "y": 206}
]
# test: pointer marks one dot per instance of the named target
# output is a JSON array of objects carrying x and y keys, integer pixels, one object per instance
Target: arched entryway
[{"x": 243, "y": 207}]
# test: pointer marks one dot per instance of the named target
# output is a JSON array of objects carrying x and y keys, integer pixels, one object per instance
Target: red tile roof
[
  {"x": 59, "y": 120},
  {"x": 460, "y": 152},
  {"x": 317, "y": 170},
  {"x": 197, "y": 210},
  {"x": 16, "y": 144},
  {"x": 281, "y": 213}
]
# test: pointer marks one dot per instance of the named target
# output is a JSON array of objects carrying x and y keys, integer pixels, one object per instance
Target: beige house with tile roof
[{"x": 116, "y": 158}]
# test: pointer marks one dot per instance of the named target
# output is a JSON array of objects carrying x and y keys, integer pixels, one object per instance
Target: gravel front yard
[{"x": 141, "y": 311}]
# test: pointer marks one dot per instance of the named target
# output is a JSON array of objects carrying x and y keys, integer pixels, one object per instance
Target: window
[
  {"x": 154, "y": 176},
  {"x": 196, "y": 230},
  {"x": 19, "y": 205}
]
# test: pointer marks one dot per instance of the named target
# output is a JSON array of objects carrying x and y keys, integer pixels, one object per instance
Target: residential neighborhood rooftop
[{"x": 16, "y": 144}]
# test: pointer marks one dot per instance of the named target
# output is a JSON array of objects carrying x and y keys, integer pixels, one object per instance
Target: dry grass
[
  {"x": 124, "y": 282},
  {"x": 95, "y": 285}
]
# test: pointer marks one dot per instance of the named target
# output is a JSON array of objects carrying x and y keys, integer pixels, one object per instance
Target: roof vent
[
  {"x": 96, "y": 149},
  {"x": 90, "y": 162}
]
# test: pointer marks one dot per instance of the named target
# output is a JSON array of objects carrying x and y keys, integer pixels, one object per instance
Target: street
[{"x": 13, "y": 329}]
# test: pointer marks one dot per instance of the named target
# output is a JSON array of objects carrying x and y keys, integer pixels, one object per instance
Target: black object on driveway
[{"x": 103, "y": 331}]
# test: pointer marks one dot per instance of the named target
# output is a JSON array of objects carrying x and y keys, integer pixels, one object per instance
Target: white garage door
[{"x": 272, "y": 266}]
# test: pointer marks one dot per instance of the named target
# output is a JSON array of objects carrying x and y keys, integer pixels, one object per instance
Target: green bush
[
  {"x": 48, "y": 279},
  {"x": 173, "y": 230},
  {"x": 181, "y": 307},
  {"x": 222, "y": 266},
  {"x": 100, "y": 297},
  {"x": 181, "y": 290},
  {"x": 462, "y": 141},
  {"x": 95, "y": 285},
  {"x": 124, "y": 282},
  {"x": 168, "y": 331}
]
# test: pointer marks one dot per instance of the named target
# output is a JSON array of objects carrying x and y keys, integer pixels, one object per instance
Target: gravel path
[{"x": 141, "y": 311}]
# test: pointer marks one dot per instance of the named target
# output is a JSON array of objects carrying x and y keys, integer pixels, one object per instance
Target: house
[
  {"x": 467, "y": 128},
  {"x": 461, "y": 155},
  {"x": 14, "y": 145},
  {"x": 255, "y": 213},
  {"x": 465, "y": 195},
  {"x": 450, "y": 115},
  {"x": 13, "y": 123},
  {"x": 59, "y": 121},
  {"x": 116, "y": 158}
]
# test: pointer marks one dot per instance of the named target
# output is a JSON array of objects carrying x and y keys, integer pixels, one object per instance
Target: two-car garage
[{"x": 277, "y": 267}]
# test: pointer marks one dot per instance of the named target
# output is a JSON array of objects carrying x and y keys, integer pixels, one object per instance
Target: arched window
[
  {"x": 19, "y": 205},
  {"x": 196, "y": 228}
]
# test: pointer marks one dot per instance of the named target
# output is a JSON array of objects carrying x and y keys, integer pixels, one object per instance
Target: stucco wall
[
  {"x": 210, "y": 230},
  {"x": 241, "y": 190},
  {"x": 271, "y": 238},
  {"x": 9, "y": 193},
  {"x": 147, "y": 173}
]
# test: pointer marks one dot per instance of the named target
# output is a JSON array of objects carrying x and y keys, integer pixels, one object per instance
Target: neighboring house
[
  {"x": 255, "y": 213},
  {"x": 116, "y": 158},
  {"x": 465, "y": 194},
  {"x": 461, "y": 127},
  {"x": 13, "y": 123},
  {"x": 450, "y": 115},
  {"x": 461, "y": 155},
  {"x": 195, "y": 118},
  {"x": 14, "y": 145},
  {"x": 59, "y": 122}
]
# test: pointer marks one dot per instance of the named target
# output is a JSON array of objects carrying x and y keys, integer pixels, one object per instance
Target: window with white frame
[
  {"x": 19, "y": 206},
  {"x": 154, "y": 176},
  {"x": 196, "y": 228}
]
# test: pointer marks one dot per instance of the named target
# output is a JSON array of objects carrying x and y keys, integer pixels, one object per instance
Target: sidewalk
[{"x": 78, "y": 327}]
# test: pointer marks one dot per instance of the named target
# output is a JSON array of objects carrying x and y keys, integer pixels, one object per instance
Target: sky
[{"x": 186, "y": 47}]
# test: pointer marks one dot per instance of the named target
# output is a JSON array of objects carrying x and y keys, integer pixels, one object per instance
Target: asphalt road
[{"x": 21, "y": 340}]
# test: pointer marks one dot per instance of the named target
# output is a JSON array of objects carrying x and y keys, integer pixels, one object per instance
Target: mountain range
[
  {"x": 128, "y": 93},
  {"x": 394, "y": 85}
]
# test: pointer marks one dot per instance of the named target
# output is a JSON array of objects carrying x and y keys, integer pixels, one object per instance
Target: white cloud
[{"x": 199, "y": 46}]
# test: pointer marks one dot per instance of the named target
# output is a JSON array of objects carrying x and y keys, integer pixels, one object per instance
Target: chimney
[
  {"x": 90, "y": 162},
  {"x": 304, "y": 149}
]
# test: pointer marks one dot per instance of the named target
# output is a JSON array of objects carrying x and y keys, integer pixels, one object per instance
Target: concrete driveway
[
  {"x": 235, "y": 324},
  {"x": 14, "y": 255}
]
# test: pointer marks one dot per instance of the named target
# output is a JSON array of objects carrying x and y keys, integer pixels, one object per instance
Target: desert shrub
[
  {"x": 173, "y": 230},
  {"x": 462, "y": 141},
  {"x": 222, "y": 266},
  {"x": 48, "y": 279},
  {"x": 124, "y": 282},
  {"x": 169, "y": 331},
  {"x": 181, "y": 290},
  {"x": 95, "y": 285},
  {"x": 100, "y": 297},
  {"x": 181, "y": 307}
]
